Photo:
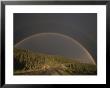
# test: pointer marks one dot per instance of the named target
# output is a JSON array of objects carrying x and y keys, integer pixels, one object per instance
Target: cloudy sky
[{"x": 80, "y": 26}]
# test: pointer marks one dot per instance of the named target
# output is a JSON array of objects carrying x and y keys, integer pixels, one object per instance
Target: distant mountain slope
[{"x": 29, "y": 63}]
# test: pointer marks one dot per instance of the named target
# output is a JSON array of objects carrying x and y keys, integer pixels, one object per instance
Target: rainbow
[{"x": 62, "y": 35}]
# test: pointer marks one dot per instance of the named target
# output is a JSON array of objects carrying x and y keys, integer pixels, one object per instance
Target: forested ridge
[{"x": 27, "y": 62}]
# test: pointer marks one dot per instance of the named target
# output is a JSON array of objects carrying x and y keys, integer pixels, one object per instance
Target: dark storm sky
[{"x": 80, "y": 26}]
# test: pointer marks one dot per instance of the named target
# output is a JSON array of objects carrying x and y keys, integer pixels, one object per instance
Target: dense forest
[{"x": 27, "y": 62}]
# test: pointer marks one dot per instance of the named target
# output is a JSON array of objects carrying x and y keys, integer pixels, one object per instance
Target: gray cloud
[{"x": 80, "y": 26}]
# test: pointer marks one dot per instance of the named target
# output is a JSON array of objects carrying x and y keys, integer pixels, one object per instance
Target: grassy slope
[{"x": 30, "y": 63}]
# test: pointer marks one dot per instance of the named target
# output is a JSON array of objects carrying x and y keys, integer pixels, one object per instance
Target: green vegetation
[{"x": 29, "y": 63}]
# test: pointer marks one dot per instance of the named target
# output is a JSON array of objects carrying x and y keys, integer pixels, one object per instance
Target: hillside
[{"x": 30, "y": 63}]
